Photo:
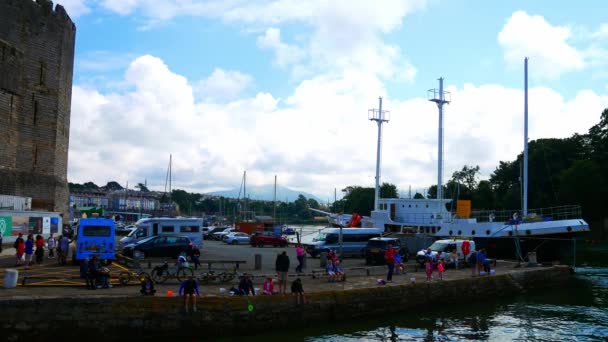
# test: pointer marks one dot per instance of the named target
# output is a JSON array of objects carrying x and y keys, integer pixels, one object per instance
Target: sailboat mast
[
  {"x": 245, "y": 193},
  {"x": 525, "y": 190},
  {"x": 274, "y": 205}
]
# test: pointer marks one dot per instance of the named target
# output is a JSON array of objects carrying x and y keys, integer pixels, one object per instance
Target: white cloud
[
  {"x": 532, "y": 36},
  {"x": 285, "y": 54},
  {"x": 223, "y": 84},
  {"x": 75, "y": 8},
  {"x": 318, "y": 138}
]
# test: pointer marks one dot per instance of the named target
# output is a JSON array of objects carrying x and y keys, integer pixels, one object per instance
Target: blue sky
[{"x": 283, "y": 87}]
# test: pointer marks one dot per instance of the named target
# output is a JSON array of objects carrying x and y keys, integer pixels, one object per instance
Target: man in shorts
[
  {"x": 188, "y": 288},
  {"x": 282, "y": 267}
]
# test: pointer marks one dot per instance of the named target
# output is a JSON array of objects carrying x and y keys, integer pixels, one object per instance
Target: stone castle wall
[
  {"x": 136, "y": 318},
  {"x": 36, "y": 66}
]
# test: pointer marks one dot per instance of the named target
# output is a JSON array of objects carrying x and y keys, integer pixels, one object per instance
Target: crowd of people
[{"x": 31, "y": 250}]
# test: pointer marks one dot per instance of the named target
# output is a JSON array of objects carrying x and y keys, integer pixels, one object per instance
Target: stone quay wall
[
  {"x": 107, "y": 318},
  {"x": 36, "y": 64}
]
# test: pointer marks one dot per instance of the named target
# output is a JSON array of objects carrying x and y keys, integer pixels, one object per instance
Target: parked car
[
  {"x": 169, "y": 246},
  {"x": 261, "y": 239},
  {"x": 376, "y": 247},
  {"x": 220, "y": 235},
  {"x": 236, "y": 238}
]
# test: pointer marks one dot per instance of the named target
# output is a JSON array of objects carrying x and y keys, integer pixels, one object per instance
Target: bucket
[
  {"x": 257, "y": 290},
  {"x": 413, "y": 280},
  {"x": 492, "y": 272},
  {"x": 10, "y": 278}
]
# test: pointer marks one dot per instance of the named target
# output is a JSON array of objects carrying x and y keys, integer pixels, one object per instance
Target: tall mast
[
  {"x": 274, "y": 205},
  {"x": 440, "y": 98},
  {"x": 379, "y": 116},
  {"x": 525, "y": 190},
  {"x": 245, "y": 192}
]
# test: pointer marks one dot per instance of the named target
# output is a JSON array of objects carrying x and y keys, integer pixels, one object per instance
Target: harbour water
[{"x": 577, "y": 312}]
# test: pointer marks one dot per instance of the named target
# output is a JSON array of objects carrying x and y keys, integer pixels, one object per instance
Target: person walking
[
  {"x": 389, "y": 256},
  {"x": 39, "y": 249},
  {"x": 64, "y": 247},
  {"x": 20, "y": 247},
  {"x": 473, "y": 263},
  {"x": 29, "y": 250},
  {"x": 428, "y": 268},
  {"x": 300, "y": 253},
  {"x": 51, "y": 244},
  {"x": 282, "y": 267},
  {"x": 195, "y": 258}
]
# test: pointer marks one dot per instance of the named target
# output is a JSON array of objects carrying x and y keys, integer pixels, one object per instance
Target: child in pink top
[
  {"x": 440, "y": 269},
  {"x": 428, "y": 267},
  {"x": 268, "y": 287}
]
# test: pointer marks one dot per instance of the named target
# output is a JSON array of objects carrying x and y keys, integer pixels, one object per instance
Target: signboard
[
  {"x": 54, "y": 225},
  {"x": 46, "y": 225},
  {"x": 20, "y": 225},
  {"x": 6, "y": 226}
]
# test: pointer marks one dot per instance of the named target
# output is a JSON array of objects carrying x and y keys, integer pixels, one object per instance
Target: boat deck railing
[{"x": 565, "y": 212}]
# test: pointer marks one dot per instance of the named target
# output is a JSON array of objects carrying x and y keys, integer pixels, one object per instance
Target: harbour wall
[{"x": 118, "y": 317}]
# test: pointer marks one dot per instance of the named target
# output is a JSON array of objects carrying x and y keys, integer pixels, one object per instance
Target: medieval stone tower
[{"x": 36, "y": 66}]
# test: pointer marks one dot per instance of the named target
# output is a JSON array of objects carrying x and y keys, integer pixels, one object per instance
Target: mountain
[{"x": 266, "y": 193}]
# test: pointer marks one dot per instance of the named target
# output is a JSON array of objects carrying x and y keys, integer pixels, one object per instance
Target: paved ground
[{"x": 51, "y": 279}]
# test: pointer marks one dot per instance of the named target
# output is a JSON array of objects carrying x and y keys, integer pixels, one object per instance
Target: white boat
[{"x": 505, "y": 234}]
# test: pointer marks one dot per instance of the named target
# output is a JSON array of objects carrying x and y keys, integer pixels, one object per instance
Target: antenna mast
[
  {"x": 440, "y": 97},
  {"x": 379, "y": 116}
]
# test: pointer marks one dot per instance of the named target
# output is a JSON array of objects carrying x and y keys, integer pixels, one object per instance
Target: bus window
[
  {"x": 168, "y": 229},
  {"x": 96, "y": 231},
  {"x": 189, "y": 229}
]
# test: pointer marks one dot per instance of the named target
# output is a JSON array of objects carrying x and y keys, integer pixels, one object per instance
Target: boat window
[
  {"x": 168, "y": 229},
  {"x": 473, "y": 232},
  {"x": 331, "y": 238}
]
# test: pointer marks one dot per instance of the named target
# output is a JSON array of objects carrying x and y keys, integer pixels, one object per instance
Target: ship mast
[
  {"x": 525, "y": 190},
  {"x": 379, "y": 116},
  {"x": 440, "y": 97}
]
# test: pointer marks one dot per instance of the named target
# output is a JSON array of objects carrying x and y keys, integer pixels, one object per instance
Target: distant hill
[{"x": 266, "y": 193}]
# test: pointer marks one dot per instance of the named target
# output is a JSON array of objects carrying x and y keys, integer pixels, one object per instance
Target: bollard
[
  {"x": 258, "y": 262},
  {"x": 323, "y": 259}
]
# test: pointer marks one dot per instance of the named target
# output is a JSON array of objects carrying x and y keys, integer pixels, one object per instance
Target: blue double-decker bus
[{"x": 96, "y": 238}]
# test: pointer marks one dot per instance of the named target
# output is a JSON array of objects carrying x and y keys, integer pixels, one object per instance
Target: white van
[
  {"x": 354, "y": 241},
  {"x": 442, "y": 249},
  {"x": 189, "y": 227}
]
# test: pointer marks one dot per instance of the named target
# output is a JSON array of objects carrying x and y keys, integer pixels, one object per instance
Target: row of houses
[{"x": 124, "y": 200}]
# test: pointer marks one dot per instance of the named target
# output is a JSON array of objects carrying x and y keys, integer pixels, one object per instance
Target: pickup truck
[{"x": 261, "y": 239}]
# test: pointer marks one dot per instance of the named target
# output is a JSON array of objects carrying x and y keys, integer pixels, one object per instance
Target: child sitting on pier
[
  {"x": 298, "y": 291},
  {"x": 268, "y": 286},
  {"x": 329, "y": 269}
]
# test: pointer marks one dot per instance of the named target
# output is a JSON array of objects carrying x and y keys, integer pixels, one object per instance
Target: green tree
[
  {"x": 113, "y": 185},
  {"x": 142, "y": 187},
  {"x": 388, "y": 190},
  {"x": 90, "y": 186}
]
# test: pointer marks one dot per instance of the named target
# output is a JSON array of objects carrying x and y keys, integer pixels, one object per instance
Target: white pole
[
  {"x": 440, "y": 146},
  {"x": 378, "y": 155},
  {"x": 525, "y": 191}
]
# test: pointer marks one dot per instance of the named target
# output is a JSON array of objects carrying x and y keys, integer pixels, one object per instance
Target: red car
[{"x": 262, "y": 239}]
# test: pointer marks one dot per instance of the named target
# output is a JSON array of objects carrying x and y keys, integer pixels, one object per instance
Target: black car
[
  {"x": 374, "y": 251},
  {"x": 158, "y": 246}
]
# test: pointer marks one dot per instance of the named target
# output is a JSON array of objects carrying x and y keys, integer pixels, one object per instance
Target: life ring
[{"x": 466, "y": 248}]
